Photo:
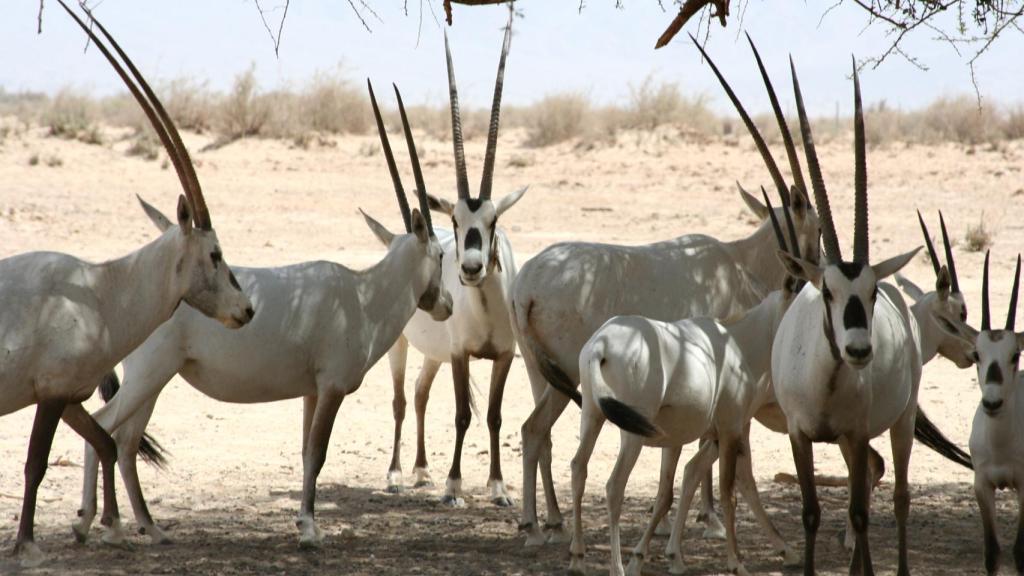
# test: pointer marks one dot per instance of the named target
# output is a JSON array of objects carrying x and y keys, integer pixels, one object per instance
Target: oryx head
[
  {"x": 947, "y": 300},
  {"x": 433, "y": 297},
  {"x": 995, "y": 352},
  {"x": 200, "y": 270},
  {"x": 848, "y": 287},
  {"x": 475, "y": 220},
  {"x": 794, "y": 198}
]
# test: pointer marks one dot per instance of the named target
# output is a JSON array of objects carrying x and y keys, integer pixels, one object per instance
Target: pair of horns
[
  {"x": 461, "y": 179},
  {"x": 421, "y": 186},
  {"x": 986, "y": 323},
  {"x": 158, "y": 118},
  {"x": 799, "y": 186},
  {"x": 795, "y": 250},
  {"x": 934, "y": 256}
]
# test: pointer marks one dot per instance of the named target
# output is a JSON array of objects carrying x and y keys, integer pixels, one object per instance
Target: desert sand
[{"x": 231, "y": 492}]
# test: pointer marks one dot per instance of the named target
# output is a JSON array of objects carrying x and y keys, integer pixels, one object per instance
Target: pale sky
[{"x": 601, "y": 52}]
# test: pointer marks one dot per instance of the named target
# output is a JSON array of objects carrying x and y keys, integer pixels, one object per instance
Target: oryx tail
[
  {"x": 150, "y": 450},
  {"x": 547, "y": 365},
  {"x": 928, "y": 434},
  {"x": 615, "y": 410}
]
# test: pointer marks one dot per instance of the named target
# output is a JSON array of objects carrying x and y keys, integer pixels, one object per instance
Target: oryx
[
  {"x": 997, "y": 434},
  {"x": 65, "y": 323},
  {"x": 478, "y": 277},
  {"x": 565, "y": 293},
  {"x": 670, "y": 383},
  {"x": 846, "y": 364},
  {"x": 322, "y": 327}
]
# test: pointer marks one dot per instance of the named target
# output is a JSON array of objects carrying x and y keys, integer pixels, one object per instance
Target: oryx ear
[
  {"x": 956, "y": 328},
  {"x": 155, "y": 216},
  {"x": 798, "y": 202},
  {"x": 800, "y": 268},
  {"x": 378, "y": 229},
  {"x": 509, "y": 201},
  {"x": 911, "y": 289},
  {"x": 755, "y": 206},
  {"x": 440, "y": 204},
  {"x": 893, "y": 265},
  {"x": 184, "y": 215},
  {"x": 419, "y": 227},
  {"x": 943, "y": 283}
]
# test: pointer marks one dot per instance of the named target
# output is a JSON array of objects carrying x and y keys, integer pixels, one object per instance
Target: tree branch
[{"x": 686, "y": 11}]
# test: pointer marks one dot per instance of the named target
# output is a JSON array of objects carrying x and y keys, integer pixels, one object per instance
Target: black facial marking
[
  {"x": 850, "y": 269},
  {"x": 233, "y": 281},
  {"x": 473, "y": 239},
  {"x": 474, "y": 204},
  {"x": 994, "y": 374},
  {"x": 854, "y": 315},
  {"x": 216, "y": 257}
]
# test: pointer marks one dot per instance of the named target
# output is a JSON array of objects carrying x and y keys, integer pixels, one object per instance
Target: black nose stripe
[
  {"x": 854, "y": 315},
  {"x": 473, "y": 239},
  {"x": 994, "y": 375}
]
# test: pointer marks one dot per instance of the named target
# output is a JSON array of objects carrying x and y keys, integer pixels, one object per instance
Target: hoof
[
  {"x": 503, "y": 501},
  {"x": 535, "y": 538},
  {"x": 80, "y": 532},
  {"x": 453, "y": 501},
  {"x": 790, "y": 558},
  {"x": 675, "y": 564},
  {"x": 846, "y": 540},
  {"x": 394, "y": 489},
  {"x": 577, "y": 567},
  {"x": 636, "y": 565},
  {"x": 394, "y": 481},
  {"x": 156, "y": 535},
  {"x": 423, "y": 484},
  {"x": 114, "y": 534},
  {"x": 310, "y": 536},
  {"x": 423, "y": 479},
  {"x": 557, "y": 534},
  {"x": 29, "y": 554},
  {"x": 499, "y": 495},
  {"x": 713, "y": 528}
]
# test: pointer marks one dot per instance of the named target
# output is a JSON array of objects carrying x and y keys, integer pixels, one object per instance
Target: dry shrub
[
  {"x": 332, "y": 105},
  {"x": 978, "y": 237},
  {"x": 145, "y": 146},
  {"x": 959, "y": 119},
  {"x": 653, "y": 104},
  {"x": 1013, "y": 124},
  {"x": 71, "y": 115},
  {"x": 244, "y": 111},
  {"x": 190, "y": 104},
  {"x": 557, "y": 118},
  {"x": 24, "y": 106}
]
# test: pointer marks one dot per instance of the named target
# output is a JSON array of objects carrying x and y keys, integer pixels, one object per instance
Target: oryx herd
[{"x": 682, "y": 341}]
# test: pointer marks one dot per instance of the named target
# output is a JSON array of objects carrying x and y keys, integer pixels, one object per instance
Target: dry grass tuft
[
  {"x": 557, "y": 118},
  {"x": 72, "y": 115},
  {"x": 978, "y": 237}
]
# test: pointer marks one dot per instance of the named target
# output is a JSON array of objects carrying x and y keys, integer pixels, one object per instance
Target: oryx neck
[
  {"x": 930, "y": 334},
  {"x": 756, "y": 253},
  {"x": 388, "y": 294},
  {"x": 144, "y": 286},
  {"x": 753, "y": 330}
]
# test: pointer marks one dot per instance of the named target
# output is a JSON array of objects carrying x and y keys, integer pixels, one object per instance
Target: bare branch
[
  {"x": 686, "y": 11},
  {"x": 275, "y": 39},
  {"x": 40, "y": 18}
]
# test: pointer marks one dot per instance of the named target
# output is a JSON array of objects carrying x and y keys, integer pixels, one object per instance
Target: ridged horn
[
  {"x": 986, "y": 319},
  {"x": 461, "y": 180},
  {"x": 779, "y": 238},
  {"x": 949, "y": 254},
  {"x": 1011, "y": 316},
  {"x": 829, "y": 240},
  {"x": 928, "y": 243},
  {"x": 403, "y": 202},
  {"x": 492, "y": 131},
  {"x": 421, "y": 185},
  {"x": 860, "y": 223}
]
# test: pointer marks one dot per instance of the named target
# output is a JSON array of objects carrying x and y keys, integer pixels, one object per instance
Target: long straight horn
[
  {"x": 860, "y": 215},
  {"x": 790, "y": 228},
  {"x": 492, "y": 132},
  {"x": 787, "y": 137},
  {"x": 403, "y": 202},
  {"x": 769, "y": 162},
  {"x": 421, "y": 186},
  {"x": 1011, "y": 316},
  {"x": 928, "y": 243},
  {"x": 779, "y": 238},
  {"x": 461, "y": 180},
  {"x": 949, "y": 254},
  {"x": 181, "y": 167},
  {"x": 986, "y": 322},
  {"x": 829, "y": 240}
]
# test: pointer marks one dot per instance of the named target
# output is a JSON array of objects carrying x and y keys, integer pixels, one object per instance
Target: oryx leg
[
  {"x": 590, "y": 429},
  {"x": 630, "y": 446},
  {"x": 499, "y": 374},
  {"x": 313, "y": 457},
  {"x": 728, "y": 451},
  {"x": 396, "y": 359},
  {"x": 902, "y": 441},
  {"x": 694, "y": 470},
  {"x": 985, "y": 493},
  {"x": 423, "y": 383},
  {"x": 45, "y": 424},
  {"x": 803, "y": 459},
  {"x": 460, "y": 375},
  {"x": 713, "y": 528},
  {"x": 82, "y": 423},
  {"x": 876, "y": 468},
  {"x": 859, "y": 495},
  {"x": 662, "y": 504},
  {"x": 536, "y": 434},
  {"x": 748, "y": 488},
  {"x": 128, "y": 437}
]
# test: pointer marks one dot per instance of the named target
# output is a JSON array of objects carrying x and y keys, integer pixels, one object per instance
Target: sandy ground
[{"x": 231, "y": 492}]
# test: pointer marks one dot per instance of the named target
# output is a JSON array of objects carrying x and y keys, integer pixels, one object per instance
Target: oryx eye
[
  {"x": 874, "y": 294},
  {"x": 974, "y": 356},
  {"x": 1015, "y": 358},
  {"x": 216, "y": 258}
]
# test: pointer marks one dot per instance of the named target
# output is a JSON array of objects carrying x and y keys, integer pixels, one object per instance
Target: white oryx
[
  {"x": 668, "y": 384},
  {"x": 846, "y": 365},
  {"x": 997, "y": 436},
  {"x": 321, "y": 327},
  {"x": 565, "y": 293},
  {"x": 478, "y": 278},
  {"x": 65, "y": 323}
]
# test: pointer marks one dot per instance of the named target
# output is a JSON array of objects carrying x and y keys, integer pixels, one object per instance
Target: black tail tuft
[
  {"x": 628, "y": 419},
  {"x": 150, "y": 450},
  {"x": 927, "y": 434},
  {"x": 557, "y": 377}
]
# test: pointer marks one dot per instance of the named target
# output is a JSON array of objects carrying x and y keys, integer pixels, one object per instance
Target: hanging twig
[{"x": 276, "y": 40}]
